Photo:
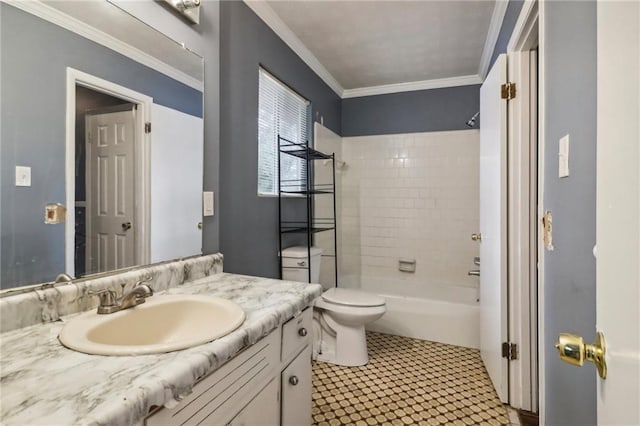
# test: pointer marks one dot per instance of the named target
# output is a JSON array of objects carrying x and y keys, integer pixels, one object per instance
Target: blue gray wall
[
  {"x": 430, "y": 110},
  {"x": 209, "y": 28},
  {"x": 508, "y": 23},
  {"x": 570, "y": 269},
  {"x": 249, "y": 235},
  {"x": 34, "y": 58}
]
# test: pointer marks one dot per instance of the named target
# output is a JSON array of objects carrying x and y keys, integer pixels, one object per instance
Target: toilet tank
[{"x": 295, "y": 263}]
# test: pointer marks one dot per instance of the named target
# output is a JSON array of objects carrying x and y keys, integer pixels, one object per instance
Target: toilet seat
[{"x": 354, "y": 298}]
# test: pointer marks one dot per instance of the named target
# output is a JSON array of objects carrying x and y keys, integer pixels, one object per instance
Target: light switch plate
[
  {"x": 207, "y": 203},
  {"x": 23, "y": 176},
  {"x": 563, "y": 157}
]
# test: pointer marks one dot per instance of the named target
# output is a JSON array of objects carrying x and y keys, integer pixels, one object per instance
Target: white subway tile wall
[
  {"x": 411, "y": 196},
  {"x": 328, "y": 142}
]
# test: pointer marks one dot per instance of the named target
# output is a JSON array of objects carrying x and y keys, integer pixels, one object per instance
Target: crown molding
[
  {"x": 499, "y": 11},
  {"x": 464, "y": 80},
  {"x": 525, "y": 22},
  {"x": 50, "y": 14},
  {"x": 282, "y": 30}
]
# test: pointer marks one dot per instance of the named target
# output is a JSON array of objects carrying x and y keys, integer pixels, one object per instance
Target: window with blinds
[{"x": 282, "y": 112}]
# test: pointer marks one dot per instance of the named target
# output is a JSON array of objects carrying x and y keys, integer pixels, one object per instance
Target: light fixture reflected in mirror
[{"x": 190, "y": 9}]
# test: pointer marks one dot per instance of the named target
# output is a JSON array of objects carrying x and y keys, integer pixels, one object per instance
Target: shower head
[{"x": 472, "y": 121}]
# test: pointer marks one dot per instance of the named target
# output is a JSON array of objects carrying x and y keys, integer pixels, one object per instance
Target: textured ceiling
[{"x": 371, "y": 43}]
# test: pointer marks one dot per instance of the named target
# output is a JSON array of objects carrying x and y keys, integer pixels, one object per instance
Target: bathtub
[{"x": 445, "y": 322}]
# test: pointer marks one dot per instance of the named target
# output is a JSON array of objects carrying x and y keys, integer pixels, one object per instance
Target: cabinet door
[
  {"x": 262, "y": 410},
  {"x": 296, "y": 390}
]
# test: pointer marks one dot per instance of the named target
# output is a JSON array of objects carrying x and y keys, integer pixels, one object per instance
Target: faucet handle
[
  {"x": 145, "y": 279},
  {"x": 107, "y": 297}
]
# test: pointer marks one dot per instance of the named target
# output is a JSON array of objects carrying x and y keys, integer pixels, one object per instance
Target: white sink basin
[{"x": 162, "y": 324}]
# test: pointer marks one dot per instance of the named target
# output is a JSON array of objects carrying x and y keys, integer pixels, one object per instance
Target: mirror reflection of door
[{"x": 105, "y": 197}]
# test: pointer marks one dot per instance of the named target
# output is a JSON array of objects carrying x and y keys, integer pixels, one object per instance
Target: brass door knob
[
  {"x": 476, "y": 237},
  {"x": 573, "y": 350}
]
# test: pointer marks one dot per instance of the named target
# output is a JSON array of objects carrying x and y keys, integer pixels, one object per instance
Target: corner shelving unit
[{"x": 292, "y": 190}]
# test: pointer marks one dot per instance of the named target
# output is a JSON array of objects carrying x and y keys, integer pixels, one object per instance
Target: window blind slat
[{"x": 282, "y": 112}]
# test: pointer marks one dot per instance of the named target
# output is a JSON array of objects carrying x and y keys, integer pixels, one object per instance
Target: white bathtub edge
[{"x": 434, "y": 320}]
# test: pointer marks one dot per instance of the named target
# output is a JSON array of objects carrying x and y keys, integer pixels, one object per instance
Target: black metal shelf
[
  {"x": 301, "y": 150},
  {"x": 307, "y": 154},
  {"x": 304, "y": 230},
  {"x": 294, "y": 189},
  {"x": 310, "y": 192}
]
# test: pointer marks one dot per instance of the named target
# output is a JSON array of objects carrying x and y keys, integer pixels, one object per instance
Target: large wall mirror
[{"x": 101, "y": 159}]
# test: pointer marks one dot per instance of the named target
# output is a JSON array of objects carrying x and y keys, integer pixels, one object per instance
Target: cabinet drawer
[
  {"x": 296, "y": 390},
  {"x": 296, "y": 333},
  {"x": 220, "y": 396}
]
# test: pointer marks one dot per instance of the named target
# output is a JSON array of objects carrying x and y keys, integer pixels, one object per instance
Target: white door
[
  {"x": 176, "y": 198},
  {"x": 618, "y": 210},
  {"x": 110, "y": 191},
  {"x": 493, "y": 226}
]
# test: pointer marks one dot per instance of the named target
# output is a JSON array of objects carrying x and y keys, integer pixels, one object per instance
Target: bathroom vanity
[
  {"x": 268, "y": 383},
  {"x": 259, "y": 373}
]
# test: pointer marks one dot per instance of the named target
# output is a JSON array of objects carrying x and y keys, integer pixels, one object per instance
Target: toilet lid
[{"x": 348, "y": 297}]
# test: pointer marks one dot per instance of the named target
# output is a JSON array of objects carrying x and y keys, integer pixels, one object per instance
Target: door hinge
[
  {"x": 147, "y": 127},
  {"x": 509, "y": 350},
  {"x": 508, "y": 91}
]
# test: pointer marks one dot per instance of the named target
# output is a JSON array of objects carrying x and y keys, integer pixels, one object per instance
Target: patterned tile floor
[{"x": 407, "y": 381}]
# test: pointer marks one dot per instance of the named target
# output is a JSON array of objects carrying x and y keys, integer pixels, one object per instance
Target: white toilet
[
  {"x": 340, "y": 314},
  {"x": 295, "y": 264}
]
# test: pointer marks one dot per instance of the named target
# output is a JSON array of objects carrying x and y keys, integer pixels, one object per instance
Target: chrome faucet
[
  {"x": 109, "y": 302},
  {"x": 63, "y": 278}
]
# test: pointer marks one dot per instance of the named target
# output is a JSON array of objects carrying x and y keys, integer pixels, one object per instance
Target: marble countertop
[{"x": 42, "y": 382}]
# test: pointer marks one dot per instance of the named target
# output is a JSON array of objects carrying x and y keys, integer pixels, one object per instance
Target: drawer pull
[
  {"x": 302, "y": 332},
  {"x": 294, "y": 380},
  {"x": 302, "y": 263}
]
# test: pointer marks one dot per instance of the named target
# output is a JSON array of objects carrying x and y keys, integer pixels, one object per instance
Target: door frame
[
  {"x": 526, "y": 173},
  {"x": 142, "y": 180}
]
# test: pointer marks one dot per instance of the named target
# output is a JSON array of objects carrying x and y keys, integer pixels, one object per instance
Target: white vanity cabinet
[
  {"x": 296, "y": 370},
  {"x": 268, "y": 383},
  {"x": 296, "y": 390},
  {"x": 261, "y": 410},
  {"x": 219, "y": 397}
]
